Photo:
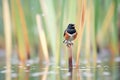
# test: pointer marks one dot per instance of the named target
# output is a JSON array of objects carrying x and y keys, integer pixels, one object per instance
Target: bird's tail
[{"x": 64, "y": 41}]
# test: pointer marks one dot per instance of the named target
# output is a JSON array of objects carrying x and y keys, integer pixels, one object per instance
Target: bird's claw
[
  {"x": 68, "y": 43},
  {"x": 65, "y": 41}
]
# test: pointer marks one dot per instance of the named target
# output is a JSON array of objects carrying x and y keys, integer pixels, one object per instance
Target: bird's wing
[{"x": 64, "y": 32}]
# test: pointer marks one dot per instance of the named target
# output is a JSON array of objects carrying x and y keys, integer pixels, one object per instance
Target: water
[
  {"x": 40, "y": 70},
  {"x": 36, "y": 72}
]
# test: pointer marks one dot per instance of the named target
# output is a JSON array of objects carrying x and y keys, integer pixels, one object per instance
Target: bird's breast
[{"x": 71, "y": 38}]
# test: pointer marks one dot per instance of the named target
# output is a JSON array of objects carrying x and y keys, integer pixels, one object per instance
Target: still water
[{"x": 36, "y": 72}]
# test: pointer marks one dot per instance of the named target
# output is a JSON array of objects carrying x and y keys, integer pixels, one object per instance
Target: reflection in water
[
  {"x": 44, "y": 77},
  {"x": 23, "y": 73},
  {"x": 34, "y": 72},
  {"x": 27, "y": 72},
  {"x": 70, "y": 76}
]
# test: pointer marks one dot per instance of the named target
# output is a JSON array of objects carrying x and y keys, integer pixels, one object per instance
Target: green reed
[{"x": 37, "y": 28}]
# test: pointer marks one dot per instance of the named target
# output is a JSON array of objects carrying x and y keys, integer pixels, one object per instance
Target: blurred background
[{"x": 31, "y": 39}]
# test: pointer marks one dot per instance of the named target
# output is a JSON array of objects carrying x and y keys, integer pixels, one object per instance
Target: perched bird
[{"x": 70, "y": 34}]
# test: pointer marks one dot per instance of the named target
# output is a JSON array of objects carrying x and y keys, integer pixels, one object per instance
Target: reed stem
[
  {"x": 70, "y": 59},
  {"x": 8, "y": 39}
]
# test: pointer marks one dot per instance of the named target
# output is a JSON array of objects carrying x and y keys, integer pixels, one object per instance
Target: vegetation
[{"x": 31, "y": 34}]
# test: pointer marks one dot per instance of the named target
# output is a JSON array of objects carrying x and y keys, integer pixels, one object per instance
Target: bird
[{"x": 70, "y": 34}]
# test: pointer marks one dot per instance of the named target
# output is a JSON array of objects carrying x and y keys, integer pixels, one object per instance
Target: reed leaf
[
  {"x": 42, "y": 38},
  {"x": 80, "y": 30},
  {"x": 114, "y": 40},
  {"x": 105, "y": 24},
  {"x": 50, "y": 20},
  {"x": 19, "y": 36},
  {"x": 8, "y": 37},
  {"x": 24, "y": 29}
]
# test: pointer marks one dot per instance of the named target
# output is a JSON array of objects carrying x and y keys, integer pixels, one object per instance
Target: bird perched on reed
[{"x": 70, "y": 34}]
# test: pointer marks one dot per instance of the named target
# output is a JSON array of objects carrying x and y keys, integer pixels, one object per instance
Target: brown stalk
[
  {"x": 80, "y": 30},
  {"x": 70, "y": 58},
  {"x": 20, "y": 45},
  {"x": 24, "y": 28}
]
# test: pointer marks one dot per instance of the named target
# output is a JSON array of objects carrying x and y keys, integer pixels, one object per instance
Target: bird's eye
[{"x": 72, "y": 24}]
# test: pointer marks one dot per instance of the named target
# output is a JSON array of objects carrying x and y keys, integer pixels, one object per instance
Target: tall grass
[
  {"x": 33, "y": 28},
  {"x": 8, "y": 38},
  {"x": 81, "y": 29},
  {"x": 42, "y": 38},
  {"x": 18, "y": 30}
]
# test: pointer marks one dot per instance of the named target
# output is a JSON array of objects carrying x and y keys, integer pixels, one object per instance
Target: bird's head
[{"x": 71, "y": 26}]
